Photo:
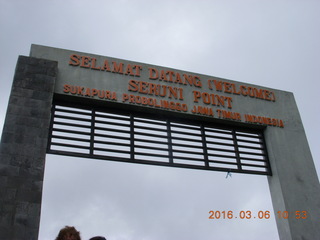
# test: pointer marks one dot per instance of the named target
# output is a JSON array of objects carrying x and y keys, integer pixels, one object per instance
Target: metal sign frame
[{"x": 127, "y": 136}]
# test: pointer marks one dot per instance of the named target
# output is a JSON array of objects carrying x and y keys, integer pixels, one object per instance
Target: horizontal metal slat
[
  {"x": 111, "y": 136},
  {"x": 252, "y": 153},
  {"x": 112, "y": 130},
  {"x": 186, "y": 145},
  {"x": 70, "y": 131},
  {"x": 72, "y": 118},
  {"x": 71, "y": 124},
  {"x": 248, "y": 136},
  {"x": 219, "y": 131},
  {"x": 151, "y": 148},
  {"x": 248, "y": 141},
  {"x": 113, "y": 123},
  {"x": 70, "y": 138},
  {"x": 150, "y": 135},
  {"x": 151, "y": 129},
  {"x": 252, "y": 159},
  {"x": 112, "y": 143},
  {"x": 218, "y": 137},
  {"x": 151, "y": 154},
  {"x": 252, "y": 165},
  {"x": 223, "y": 162},
  {"x": 250, "y": 147},
  {"x": 184, "y": 127},
  {"x": 150, "y": 122},
  {"x": 187, "y": 133},
  {"x": 186, "y": 152},
  {"x": 221, "y": 150},
  {"x": 99, "y": 115},
  {"x": 150, "y": 141},
  {"x": 106, "y": 150},
  {"x": 187, "y": 139},
  {"x": 188, "y": 158},
  {"x": 221, "y": 155},
  {"x": 69, "y": 145},
  {"x": 73, "y": 112}
]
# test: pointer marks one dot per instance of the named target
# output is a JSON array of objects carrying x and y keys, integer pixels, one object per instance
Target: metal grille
[{"x": 99, "y": 134}]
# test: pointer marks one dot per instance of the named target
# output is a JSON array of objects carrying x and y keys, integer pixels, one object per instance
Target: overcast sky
[{"x": 273, "y": 43}]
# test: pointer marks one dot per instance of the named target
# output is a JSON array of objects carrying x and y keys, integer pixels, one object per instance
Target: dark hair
[
  {"x": 98, "y": 238},
  {"x": 68, "y": 230}
]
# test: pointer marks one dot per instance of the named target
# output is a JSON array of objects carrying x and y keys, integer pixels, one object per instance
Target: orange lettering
[
  {"x": 117, "y": 68},
  {"x": 94, "y": 92},
  {"x": 106, "y": 66},
  {"x": 171, "y": 74},
  {"x": 218, "y": 85},
  {"x": 227, "y": 87},
  {"x": 267, "y": 95},
  {"x": 143, "y": 87},
  {"x": 93, "y": 66},
  {"x": 153, "y": 89},
  {"x": 129, "y": 70},
  {"x": 125, "y": 97},
  {"x": 196, "y": 96},
  {"x": 153, "y": 74},
  {"x": 66, "y": 88},
  {"x": 243, "y": 89},
  {"x": 197, "y": 82},
  {"x": 85, "y": 62},
  {"x": 74, "y": 60},
  {"x": 133, "y": 86},
  {"x": 234, "y": 89},
  {"x": 138, "y": 68},
  {"x": 163, "y": 76}
]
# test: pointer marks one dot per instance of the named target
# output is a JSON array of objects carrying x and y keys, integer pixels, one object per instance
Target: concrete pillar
[
  {"x": 294, "y": 185},
  {"x": 23, "y": 148}
]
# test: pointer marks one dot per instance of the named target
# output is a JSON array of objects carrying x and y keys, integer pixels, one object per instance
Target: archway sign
[{"x": 79, "y": 104}]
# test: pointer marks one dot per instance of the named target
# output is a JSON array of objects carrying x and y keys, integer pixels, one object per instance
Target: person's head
[
  {"x": 98, "y": 238},
  {"x": 68, "y": 233}
]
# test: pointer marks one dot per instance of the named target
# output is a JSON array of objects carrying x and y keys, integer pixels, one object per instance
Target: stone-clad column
[{"x": 23, "y": 148}]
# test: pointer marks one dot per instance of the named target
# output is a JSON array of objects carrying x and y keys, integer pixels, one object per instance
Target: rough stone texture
[{"x": 23, "y": 148}]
